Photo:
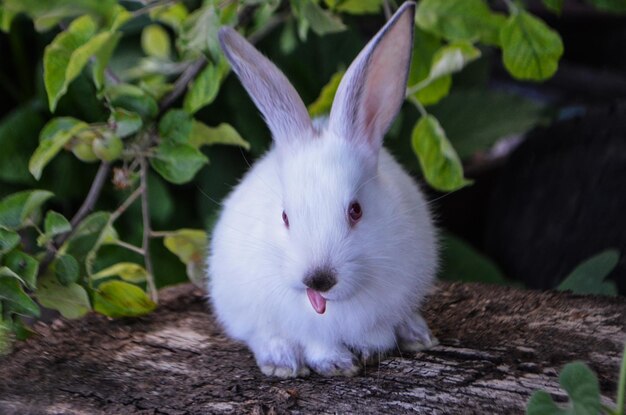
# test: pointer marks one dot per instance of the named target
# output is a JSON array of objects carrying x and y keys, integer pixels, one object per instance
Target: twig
[
  {"x": 149, "y": 6},
  {"x": 122, "y": 208},
  {"x": 85, "y": 208},
  {"x": 145, "y": 213},
  {"x": 181, "y": 83},
  {"x": 160, "y": 234},
  {"x": 271, "y": 25},
  {"x": 90, "y": 200},
  {"x": 130, "y": 247},
  {"x": 387, "y": 9},
  {"x": 198, "y": 65}
]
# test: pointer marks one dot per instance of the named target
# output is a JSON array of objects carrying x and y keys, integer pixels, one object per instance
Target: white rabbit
[{"x": 325, "y": 250}]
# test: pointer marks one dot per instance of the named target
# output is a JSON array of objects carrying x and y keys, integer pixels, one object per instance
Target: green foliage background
[{"x": 122, "y": 129}]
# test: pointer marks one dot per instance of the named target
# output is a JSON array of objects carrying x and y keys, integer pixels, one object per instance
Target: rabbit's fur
[{"x": 382, "y": 264}]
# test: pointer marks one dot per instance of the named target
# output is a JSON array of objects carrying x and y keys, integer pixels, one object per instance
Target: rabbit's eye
[
  {"x": 354, "y": 212},
  {"x": 285, "y": 219}
]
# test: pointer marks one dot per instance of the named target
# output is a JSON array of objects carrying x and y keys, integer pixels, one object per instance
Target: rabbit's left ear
[
  {"x": 374, "y": 86},
  {"x": 278, "y": 101}
]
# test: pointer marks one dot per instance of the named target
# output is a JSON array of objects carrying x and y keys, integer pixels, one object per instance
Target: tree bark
[{"x": 498, "y": 345}]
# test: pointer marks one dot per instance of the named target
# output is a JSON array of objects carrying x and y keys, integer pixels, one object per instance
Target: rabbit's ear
[
  {"x": 374, "y": 86},
  {"x": 280, "y": 104}
]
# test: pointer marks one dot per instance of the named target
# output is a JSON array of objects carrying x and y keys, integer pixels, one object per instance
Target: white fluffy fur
[{"x": 385, "y": 264}]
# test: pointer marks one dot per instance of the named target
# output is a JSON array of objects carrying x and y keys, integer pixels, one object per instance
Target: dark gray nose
[{"x": 320, "y": 279}]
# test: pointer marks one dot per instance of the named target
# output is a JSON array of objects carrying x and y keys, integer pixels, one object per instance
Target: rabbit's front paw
[
  {"x": 280, "y": 358},
  {"x": 284, "y": 371},
  {"x": 414, "y": 335},
  {"x": 335, "y": 363}
]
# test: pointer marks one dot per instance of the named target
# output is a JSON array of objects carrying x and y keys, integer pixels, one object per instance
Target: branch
[
  {"x": 198, "y": 65},
  {"x": 83, "y": 211},
  {"x": 145, "y": 213},
  {"x": 92, "y": 197},
  {"x": 181, "y": 84}
]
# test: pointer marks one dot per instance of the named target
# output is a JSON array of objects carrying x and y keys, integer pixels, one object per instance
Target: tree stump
[{"x": 498, "y": 345}]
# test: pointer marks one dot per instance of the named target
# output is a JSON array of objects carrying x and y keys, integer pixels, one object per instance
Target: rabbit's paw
[
  {"x": 284, "y": 371},
  {"x": 414, "y": 335},
  {"x": 334, "y": 363},
  {"x": 280, "y": 358}
]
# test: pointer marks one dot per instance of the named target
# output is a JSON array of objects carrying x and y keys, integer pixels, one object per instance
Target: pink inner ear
[{"x": 385, "y": 81}]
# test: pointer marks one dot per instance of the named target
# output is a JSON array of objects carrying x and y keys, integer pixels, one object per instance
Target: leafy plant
[
  {"x": 581, "y": 385},
  {"x": 589, "y": 277},
  {"x": 136, "y": 115}
]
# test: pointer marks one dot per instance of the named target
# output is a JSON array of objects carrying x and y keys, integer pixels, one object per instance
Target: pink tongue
[{"x": 317, "y": 301}]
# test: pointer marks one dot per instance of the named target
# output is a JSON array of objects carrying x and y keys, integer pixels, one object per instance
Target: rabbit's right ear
[
  {"x": 278, "y": 101},
  {"x": 371, "y": 92}
]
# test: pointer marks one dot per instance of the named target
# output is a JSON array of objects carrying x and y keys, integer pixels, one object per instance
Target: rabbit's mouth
[{"x": 317, "y": 301}]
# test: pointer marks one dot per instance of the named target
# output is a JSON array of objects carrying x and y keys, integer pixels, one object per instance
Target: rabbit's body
[{"x": 342, "y": 273}]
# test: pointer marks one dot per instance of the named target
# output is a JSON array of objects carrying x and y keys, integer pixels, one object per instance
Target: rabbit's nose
[{"x": 321, "y": 279}]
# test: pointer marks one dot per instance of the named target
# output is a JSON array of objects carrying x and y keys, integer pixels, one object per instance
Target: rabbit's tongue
[{"x": 317, "y": 301}]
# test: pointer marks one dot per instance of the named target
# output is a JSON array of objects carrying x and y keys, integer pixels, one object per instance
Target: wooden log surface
[{"x": 498, "y": 345}]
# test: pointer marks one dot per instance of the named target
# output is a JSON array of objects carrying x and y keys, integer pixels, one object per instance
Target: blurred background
[{"x": 547, "y": 159}]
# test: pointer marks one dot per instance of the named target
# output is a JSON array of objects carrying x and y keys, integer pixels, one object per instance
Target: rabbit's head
[{"x": 334, "y": 208}]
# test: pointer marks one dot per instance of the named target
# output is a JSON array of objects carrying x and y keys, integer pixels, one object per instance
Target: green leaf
[
  {"x": 614, "y": 6},
  {"x": 530, "y": 49},
  {"x": 88, "y": 236},
  {"x": 555, "y": 6},
  {"x": 469, "y": 20},
  {"x": 199, "y": 32},
  {"x": 81, "y": 145},
  {"x": 6, "y": 18},
  {"x": 56, "y": 224},
  {"x": 49, "y": 13},
  {"x": 66, "y": 269},
  {"x": 324, "y": 102},
  {"x": 288, "y": 40},
  {"x": 321, "y": 21},
  {"x": 462, "y": 262},
  {"x": 16, "y": 300},
  {"x": 25, "y": 266},
  {"x": 582, "y": 387},
  {"x": 440, "y": 164},
  {"x": 125, "y": 122},
  {"x": 54, "y": 136},
  {"x": 474, "y": 119},
  {"x": 101, "y": 60},
  {"x": 446, "y": 61},
  {"x": 116, "y": 17},
  {"x": 588, "y": 277},
  {"x": 132, "y": 98},
  {"x": 202, "y": 134},
  {"x": 541, "y": 403},
  {"x": 187, "y": 244},
  {"x": 107, "y": 146},
  {"x": 18, "y": 209},
  {"x": 121, "y": 299},
  {"x": 190, "y": 246},
  {"x": 8, "y": 240},
  {"x": 128, "y": 271},
  {"x": 156, "y": 42},
  {"x": 71, "y": 301},
  {"x": 425, "y": 45},
  {"x": 203, "y": 89},
  {"x": 355, "y": 6},
  {"x": 6, "y": 335},
  {"x": 175, "y": 126},
  {"x": 172, "y": 15},
  {"x": 67, "y": 55},
  {"x": 177, "y": 163},
  {"x": 434, "y": 91}
]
